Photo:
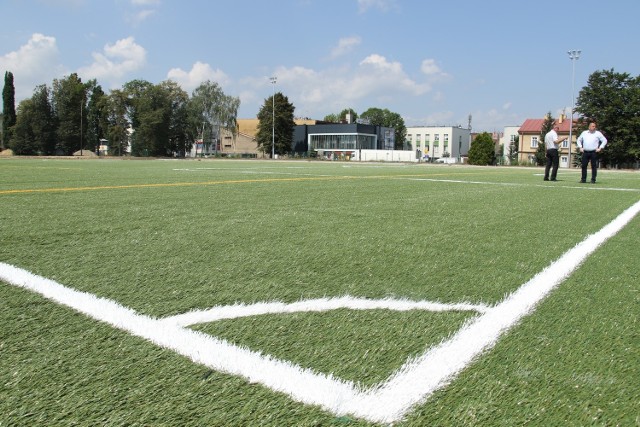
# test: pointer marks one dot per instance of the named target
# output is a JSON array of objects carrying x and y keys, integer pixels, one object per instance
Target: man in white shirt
[
  {"x": 551, "y": 145},
  {"x": 590, "y": 142}
]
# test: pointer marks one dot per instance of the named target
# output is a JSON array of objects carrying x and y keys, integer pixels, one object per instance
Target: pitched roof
[{"x": 535, "y": 126}]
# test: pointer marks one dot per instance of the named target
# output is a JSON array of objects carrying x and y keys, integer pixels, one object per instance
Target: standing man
[
  {"x": 552, "y": 144},
  {"x": 590, "y": 142}
]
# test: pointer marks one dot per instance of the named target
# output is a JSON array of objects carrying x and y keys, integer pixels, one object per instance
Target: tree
[
  {"x": 150, "y": 112},
  {"x": 541, "y": 152},
  {"x": 180, "y": 135},
  {"x": 386, "y": 118},
  {"x": 8, "y": 109},
  {"x": 513, "y": 150},
  {"x": 210, "y": 111},
  {"x": 23, "y": 141},
  {"x": 482, "y": 151},
  {"x": 342, "y": 116},
  {"x": 282, "y": 127},
  {"x": 117, "y": 121},
  {"x": 43, "y": 120},
  {"x": 613, "y": 101},
  {"x": 96, "y": 115},
  {"x": 69, "y": 104}
]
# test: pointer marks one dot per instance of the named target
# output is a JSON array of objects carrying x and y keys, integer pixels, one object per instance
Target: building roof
[{"x": 535, "y": 126}]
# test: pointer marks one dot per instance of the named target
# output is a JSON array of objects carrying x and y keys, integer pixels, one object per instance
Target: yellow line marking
[{"x": 191, "y": 184}]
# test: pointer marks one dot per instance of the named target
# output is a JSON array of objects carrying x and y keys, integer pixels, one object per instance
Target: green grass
[{"x": 165, "y": 237}]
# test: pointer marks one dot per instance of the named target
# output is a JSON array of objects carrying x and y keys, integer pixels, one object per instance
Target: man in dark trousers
[
  {"x": 551, "y": 145},
  {"x": 590, "y": 142}
]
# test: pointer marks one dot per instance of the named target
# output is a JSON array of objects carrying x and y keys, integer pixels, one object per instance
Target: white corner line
[{"x": 386, "y": 402}]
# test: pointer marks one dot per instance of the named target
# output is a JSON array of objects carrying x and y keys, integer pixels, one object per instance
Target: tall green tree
[
  {"x": 482, "y": 151},
  {"x": 541, "y": 152},
  {"x": 23, "y": 141},
  {"x": 69, "y": 104},
  {"x": 150, "y": 112},
  {"x": 117, "y": 121},
  {"x": 180, "y": 134},
  {"x": 8, "y": 108},
  {"x": 384, "y": 117},
  {"x": 612, "y": 99},
  {"x": 96, "y": 116},
  {"x": 43, "y": 120},
  {"x": 281, "y": 126}
]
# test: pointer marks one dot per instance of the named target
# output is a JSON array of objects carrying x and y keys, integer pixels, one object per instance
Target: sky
[{"x": 433, "y": 62}]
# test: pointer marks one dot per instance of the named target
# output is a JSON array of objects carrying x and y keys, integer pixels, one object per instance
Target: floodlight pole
[
  {"x": 273, "y": 119},
  {"x": 574, "y": 55}
]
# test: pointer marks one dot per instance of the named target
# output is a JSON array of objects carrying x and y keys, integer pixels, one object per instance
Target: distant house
[{"x": 530, "y": 138}]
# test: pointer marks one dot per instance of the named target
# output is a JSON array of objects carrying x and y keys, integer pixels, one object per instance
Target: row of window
[
  {"x": 342, "y": 142},
  {"x": 436, "y": 142}
]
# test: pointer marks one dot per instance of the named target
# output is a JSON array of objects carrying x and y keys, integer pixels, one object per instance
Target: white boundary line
[
  {"x": 514, "y": 184},
  {"x": 387, "y": 402}
]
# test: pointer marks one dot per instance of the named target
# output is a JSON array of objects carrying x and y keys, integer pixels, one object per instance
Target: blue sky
[{"x": 432, "y": 62}]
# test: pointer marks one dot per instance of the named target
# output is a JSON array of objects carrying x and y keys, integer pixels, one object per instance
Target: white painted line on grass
[
  {"x": 515, "y": 184},
  {"x": 321, "y": 304},
  {"x": 386, "y": 402}
]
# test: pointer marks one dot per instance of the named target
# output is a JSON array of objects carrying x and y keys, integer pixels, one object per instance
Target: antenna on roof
[{"x": 469, "y": 126}]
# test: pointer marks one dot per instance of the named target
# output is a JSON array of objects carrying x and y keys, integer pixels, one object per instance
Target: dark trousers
[
  {"x": 552, "y": 162},
  {"x": 589, "y": 156}
]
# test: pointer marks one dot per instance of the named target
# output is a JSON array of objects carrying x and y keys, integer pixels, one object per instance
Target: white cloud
[
  {"x": 200, "y": 72},
  {"x": 383, "y": 5},
  {"x": 139, "y": 16},
  {"x": 374, "y": 81},
  {"x": 142, "y": 16},
  {"x": 345, "y": 45},
  {"x": 430, "y": 68},
  {"x": 33, "y": 64},
  {"x": 116, "y": 61}
]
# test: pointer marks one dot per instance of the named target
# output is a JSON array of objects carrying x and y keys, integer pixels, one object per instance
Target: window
[
  {"x": 534, "y": 142},
  {"x": 417, "y": 141},
  {"x": 565, "y": 144},
  {"x": 436, "y": 140}
]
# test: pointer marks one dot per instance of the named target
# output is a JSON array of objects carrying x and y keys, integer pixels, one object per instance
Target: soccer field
[{"x": 277, "y": 293}]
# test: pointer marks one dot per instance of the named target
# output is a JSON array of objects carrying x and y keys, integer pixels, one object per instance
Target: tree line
[{"x": 150, "y": 119}]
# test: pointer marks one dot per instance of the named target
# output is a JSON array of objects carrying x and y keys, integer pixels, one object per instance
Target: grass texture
[{"x": 166, "y": 237}]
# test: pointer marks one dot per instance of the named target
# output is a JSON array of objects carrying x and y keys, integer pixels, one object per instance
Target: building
[
  {"x": 530, "y": 138},
  {"x": 341, "y": 140},
  {"x": 509, "y": 138},
  {"x": 439, "y": 141}
]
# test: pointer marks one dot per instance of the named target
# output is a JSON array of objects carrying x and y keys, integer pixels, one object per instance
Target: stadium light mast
[
  {"x": 273, "y": 118},
  {"x": 574, "y": 55}
]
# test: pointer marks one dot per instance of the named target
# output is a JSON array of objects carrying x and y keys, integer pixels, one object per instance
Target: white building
[
  {"x": 507, "y": 140},
  {"x": 439, "y": 141}
]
